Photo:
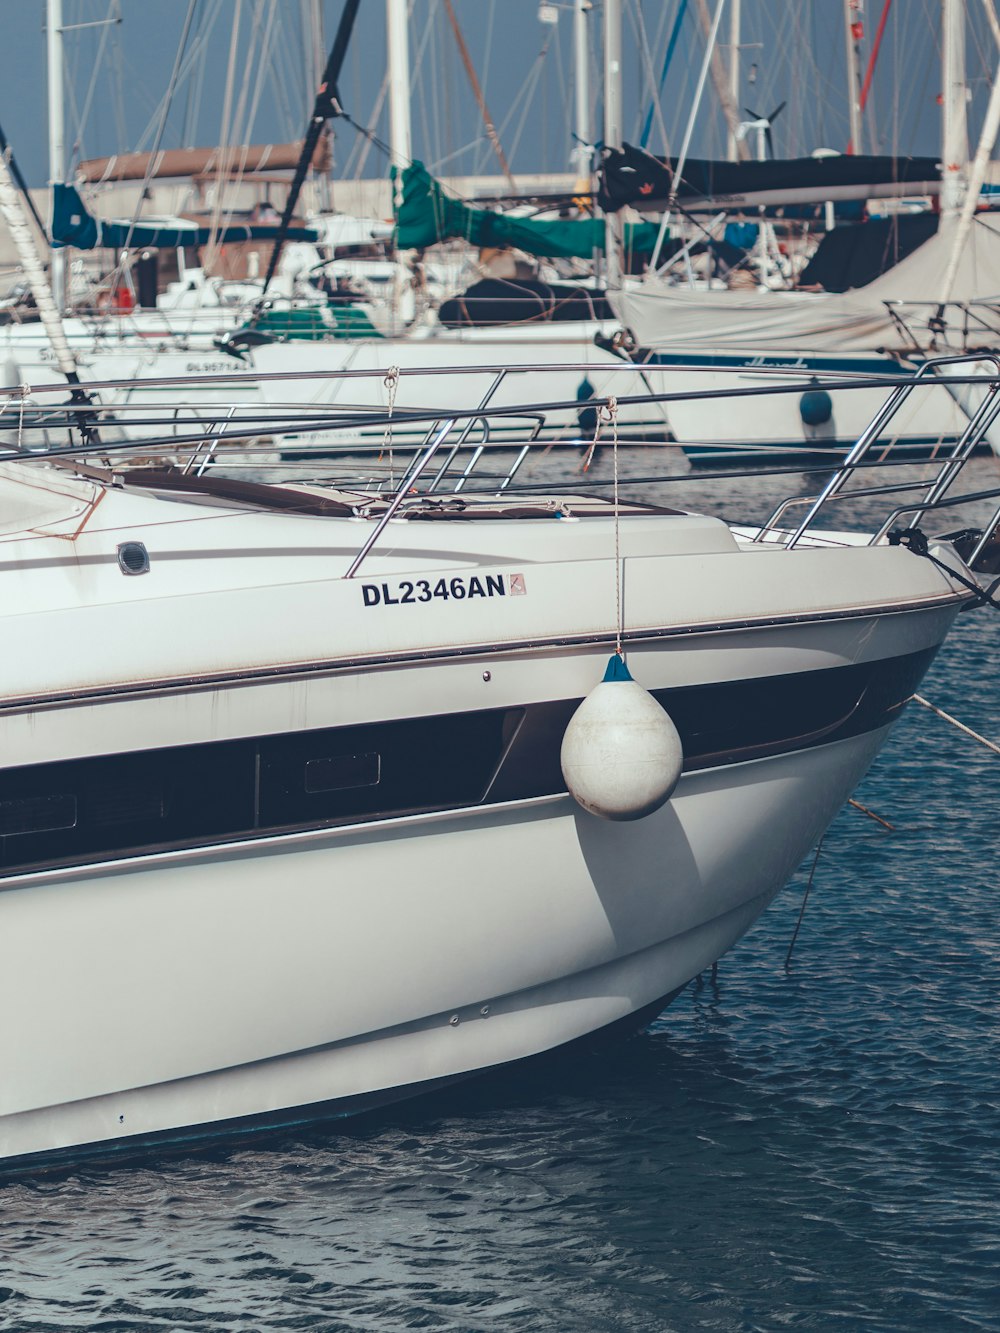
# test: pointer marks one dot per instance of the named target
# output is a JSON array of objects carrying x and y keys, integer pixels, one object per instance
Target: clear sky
[{"x": 792, "y": 51}]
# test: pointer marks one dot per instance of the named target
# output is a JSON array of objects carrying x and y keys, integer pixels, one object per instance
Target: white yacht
[{"x": 284, "y": 824}]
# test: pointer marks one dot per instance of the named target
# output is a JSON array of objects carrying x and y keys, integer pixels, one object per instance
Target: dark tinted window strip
[{"x": 95, "y": 809}]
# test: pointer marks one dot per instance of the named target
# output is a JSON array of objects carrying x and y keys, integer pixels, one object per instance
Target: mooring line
[
  {"x": 878, "y": 818},
  {"x": 871, "y": 814},
  {"x": 805, "y": 899},
  {"x": 955, "y": 723}
]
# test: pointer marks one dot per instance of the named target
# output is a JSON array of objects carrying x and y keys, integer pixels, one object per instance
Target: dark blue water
[{"x": 813, "y": 1148}]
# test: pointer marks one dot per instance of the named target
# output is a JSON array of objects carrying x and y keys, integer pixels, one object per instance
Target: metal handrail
[
  {"x": 467, "y": 431},
  {"x": 963, "y": 448},
  {"x": 411, "y": 476},
  {"x": 953, "y": 503},
  {"x": 970, "y": 438},
  {"x": 770, "y": 524},
  {"x": 837, "y": 379},
  {"x": 441, "y": 439}
]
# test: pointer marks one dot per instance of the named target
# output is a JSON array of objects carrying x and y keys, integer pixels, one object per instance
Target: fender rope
[{"x": 914, "y": 540}]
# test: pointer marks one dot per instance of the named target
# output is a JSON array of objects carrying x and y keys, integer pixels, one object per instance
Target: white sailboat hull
[
  {"x": 770, "y": 424},
  {"x": 169, "y": 996}
]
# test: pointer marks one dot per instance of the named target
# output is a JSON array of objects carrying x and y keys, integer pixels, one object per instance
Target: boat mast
[
  {"x": 722, "y": 88},
  {"x": 980, "y": 164},
  {"x": 581, "y": 69},
  {"x": 315, "y": 45},
  {"x": 14, "y": 213},
  {"x": 400, "y": 129},
  {"x": 733, "y": 152},
  {"x": 852, "y": 37},
  {"x": 954, "y": 131},
  {"x": 57, "y": 136},
  {"x": 681, "y": 163},
  {"x": 613, "y": 229},
  {"x": 327, "y": 105}
]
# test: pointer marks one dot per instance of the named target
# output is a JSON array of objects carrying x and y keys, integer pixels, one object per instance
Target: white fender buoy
[{"x": 621, "y": 755}]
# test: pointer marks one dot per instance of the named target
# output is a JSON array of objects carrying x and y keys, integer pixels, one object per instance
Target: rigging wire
[
  {"x": 870, "y": 71},
  {"x": 247, "y": 117},
  {"x": 805, "y": 899},
  {"x": 368, "y": 139},
  {"x": 526, "y": 92},
  {"x": 263, "y": 62},
  {"x": 197, "y": 48},
  {"x": 433, "y": 78},
  {"x": 479, "y": 161},
  {"x": 417, "y": 64},
  {"x": 656, "y": 88},
  {"x": 167, "y": 103},
  {"x": 194, "y": 91},
  {"x": 210, "y": 251},
  {"x": 283, "y": 74},
  {"x": 565, "y": 92},
  {"x": 98, "y": 68},
  {"x": 118, "y": 88},
  {"x": 372, "y": 140}
]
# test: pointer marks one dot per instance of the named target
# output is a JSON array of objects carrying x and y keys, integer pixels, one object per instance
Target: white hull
[
  {"x": 546, "y": 346},
  {"x": 149, "y": 409},
  {"x": 142, "y": 408},
  {"x": 236, "y": 982},
  {"x": 278, "y": 842},
  {"x": 776, "y": 423}
]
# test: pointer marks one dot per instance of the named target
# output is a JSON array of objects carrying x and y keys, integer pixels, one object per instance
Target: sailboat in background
[
  {"x": 433, "y": 344},
  {"x": 719, "y": 337},
  {"x": 136, "y": 328},
  {"x": 191, "y": 331},
  {"x": 943, "y": 297}
]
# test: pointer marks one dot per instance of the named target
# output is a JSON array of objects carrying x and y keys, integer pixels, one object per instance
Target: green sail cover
[
  {"x": 314, "y": 324},
  {"x": 426, "y": 215}
]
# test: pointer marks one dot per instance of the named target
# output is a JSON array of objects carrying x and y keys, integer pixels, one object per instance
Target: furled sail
[
  {"x": 636, "y": 178},
  {"x": 182, "y": 162},
  {"x": 426, "y": 215},
  {"x": 73, "y": 225}
]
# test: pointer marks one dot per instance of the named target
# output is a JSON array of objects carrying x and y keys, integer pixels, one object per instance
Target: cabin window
[
  {"x": 36, "y": 814},
  {"x": 343, "y": 771},
  {"x": 99, "y": 808}
]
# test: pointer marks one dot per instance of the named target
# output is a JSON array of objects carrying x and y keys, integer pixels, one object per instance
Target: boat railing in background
[
  {"x": 456, "y": 433},
  {"x": 975, "y": 319},
  {"x": 971, "y": 437}
]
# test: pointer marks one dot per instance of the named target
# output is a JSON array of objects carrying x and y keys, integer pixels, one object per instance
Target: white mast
[
  {"x": 713, "y": 34},
  {"x": 852, "y": 11},
  {"x": 400, "y": 133},
  {"x": 734, "y": 74},
  {"x": 581, "y": 71},
  {"x": 991, "y": 128},
  {"x": 57, "y": 135},
  {"x": 613, "y": 230},
  {"x": 954, "y": 131},
  {"x": 312, "y": 37},
  {"x": 14, "y": 213}
]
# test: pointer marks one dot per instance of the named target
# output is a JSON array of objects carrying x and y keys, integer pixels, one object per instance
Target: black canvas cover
[
  {"x": 635, "y": 177},
  {"x": 853, "y": 256},
  {"x": 521, "y": 301}
]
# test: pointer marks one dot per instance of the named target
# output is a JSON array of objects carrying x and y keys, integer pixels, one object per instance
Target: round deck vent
[{"x": 133, "y": 558}]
